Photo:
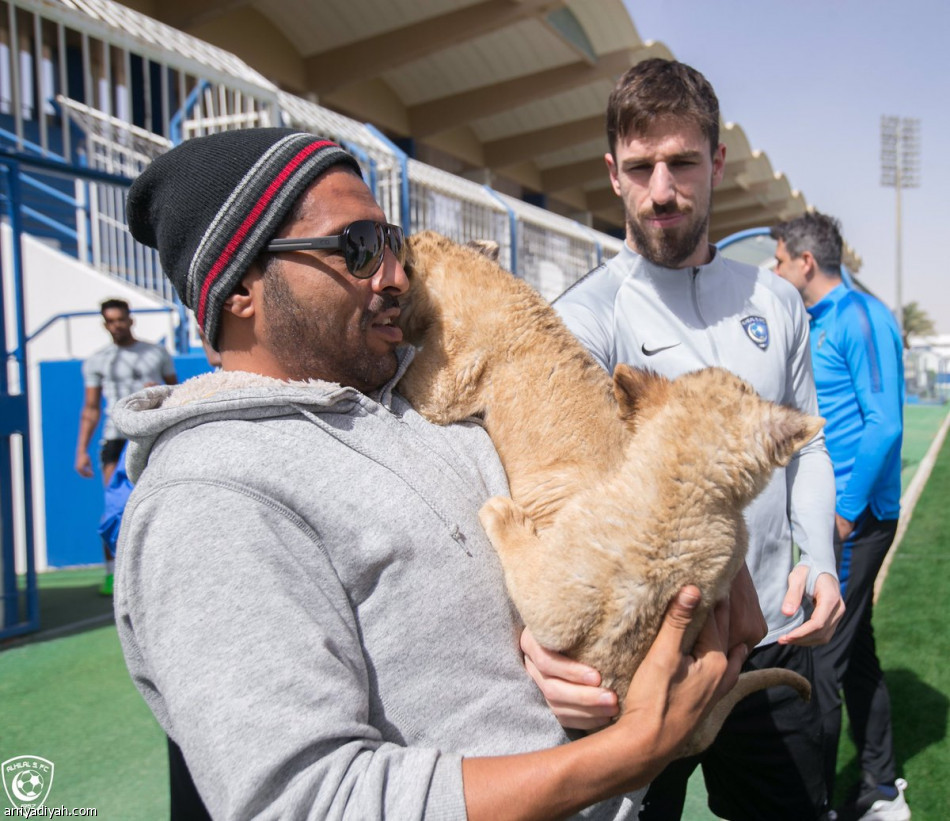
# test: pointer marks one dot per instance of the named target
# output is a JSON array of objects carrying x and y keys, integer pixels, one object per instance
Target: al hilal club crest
[
  {"x": 757, "y": 329},
  {"x": 27, "y": 780}
]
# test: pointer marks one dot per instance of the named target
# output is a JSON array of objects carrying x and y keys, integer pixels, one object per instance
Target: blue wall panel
[{"x": 74, "y": 504}]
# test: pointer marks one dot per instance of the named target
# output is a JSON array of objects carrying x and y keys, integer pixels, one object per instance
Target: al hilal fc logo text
[{"x": 27, "y": 780}]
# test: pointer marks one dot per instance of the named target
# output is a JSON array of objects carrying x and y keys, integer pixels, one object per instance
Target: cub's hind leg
[{"x": 543, "y": 589}]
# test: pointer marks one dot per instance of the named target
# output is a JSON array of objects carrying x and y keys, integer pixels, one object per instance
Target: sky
[{"x": 808, "y": 82}]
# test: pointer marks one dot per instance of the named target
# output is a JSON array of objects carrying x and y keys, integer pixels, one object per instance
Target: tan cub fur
[{"x": 622, "y": 490}]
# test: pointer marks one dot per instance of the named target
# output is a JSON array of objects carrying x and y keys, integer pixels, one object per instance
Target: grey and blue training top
[{"x": 752, "y": 323}]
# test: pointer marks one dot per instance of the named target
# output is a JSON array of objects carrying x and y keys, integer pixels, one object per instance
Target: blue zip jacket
[
  {"x": 117, "y": 494},
  {"x": 857, "y": 357}
]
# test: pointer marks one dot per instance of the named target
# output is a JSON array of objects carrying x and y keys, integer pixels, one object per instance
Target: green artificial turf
[
  {"x": 71, "y": 701},
  {"x": 921, "y": 423},
  {"x": 66, "y": 695},
  {"x": 71, "y": 597},
  {"x": 913, "y": 643},
  {"x": 913, "y": 640}
]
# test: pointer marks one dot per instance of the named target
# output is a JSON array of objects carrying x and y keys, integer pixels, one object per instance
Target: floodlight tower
[{"x": 900, "y": 168}]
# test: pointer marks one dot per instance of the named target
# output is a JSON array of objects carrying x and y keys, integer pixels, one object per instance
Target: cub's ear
[
  {"x": 424, "y": 248},
  {"x": 638, "y": 391},
  {"x": 486, "y": 247},
  {"x": 791, "y": 430}
]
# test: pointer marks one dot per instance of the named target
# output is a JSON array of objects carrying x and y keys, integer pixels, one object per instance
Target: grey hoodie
[{"x": 308, "y": 604}]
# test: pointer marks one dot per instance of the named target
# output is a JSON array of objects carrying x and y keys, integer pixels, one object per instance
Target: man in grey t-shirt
[{"x": 116, "y": 371}]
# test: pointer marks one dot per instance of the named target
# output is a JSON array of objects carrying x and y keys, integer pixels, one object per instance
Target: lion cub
[{"x": 623, "y": 490}]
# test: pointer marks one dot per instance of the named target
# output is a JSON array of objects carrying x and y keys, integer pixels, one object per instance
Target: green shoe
[{"x": 106, "y": 589}]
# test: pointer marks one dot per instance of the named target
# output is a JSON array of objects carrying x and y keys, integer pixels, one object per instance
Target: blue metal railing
[
  {"x": 19, "y": 608},
  {"x": 75, "y": 314},
  {"x": 15, "y": 421},
  {"x": 46, "y": 191},
  {"x": 512, "y": 227},
  {"x": 176, "y": 124},
  {"x": 37, "y": 149},
  {"x": 403, "y": 158}
]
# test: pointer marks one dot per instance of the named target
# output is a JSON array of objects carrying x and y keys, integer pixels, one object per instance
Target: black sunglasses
[{"x": 363, "y": 244}]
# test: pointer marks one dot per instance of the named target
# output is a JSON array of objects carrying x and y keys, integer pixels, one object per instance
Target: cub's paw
[{"x": 504, "y": 520}]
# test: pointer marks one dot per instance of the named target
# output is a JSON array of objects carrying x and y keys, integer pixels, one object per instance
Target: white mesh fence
[
  {"x": 115, "y": 147},
  {"x": 377, "y": 158},
  {"x": 219, "y": 108},
  {"x": 553, "y": 252},
  {"x": 458, "y": 208},
  {"x": 223, "y": 93}
]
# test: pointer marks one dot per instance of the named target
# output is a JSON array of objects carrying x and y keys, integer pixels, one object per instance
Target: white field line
[{"x": 909, "y": 501}]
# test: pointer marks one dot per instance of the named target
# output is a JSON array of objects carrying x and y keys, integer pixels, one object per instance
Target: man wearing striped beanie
[
  {"x": 210, "y": 205},
  {"x": 304, "y": 595}
]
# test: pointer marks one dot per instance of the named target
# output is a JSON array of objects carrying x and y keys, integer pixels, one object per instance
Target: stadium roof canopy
[{"x": 508, "y": 92}]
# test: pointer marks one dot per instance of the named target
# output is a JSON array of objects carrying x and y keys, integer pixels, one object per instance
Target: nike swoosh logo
[{"x": 651, "y": 351}]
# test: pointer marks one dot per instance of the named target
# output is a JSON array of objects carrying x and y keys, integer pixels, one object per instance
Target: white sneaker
[{"x": 895, "y": 809}]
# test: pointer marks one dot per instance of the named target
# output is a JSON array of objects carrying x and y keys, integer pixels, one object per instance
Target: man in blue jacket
[{"x": 857, "y": 359}]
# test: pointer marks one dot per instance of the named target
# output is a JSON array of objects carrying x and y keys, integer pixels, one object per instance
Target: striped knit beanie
[{"x": 212, "y": 203}]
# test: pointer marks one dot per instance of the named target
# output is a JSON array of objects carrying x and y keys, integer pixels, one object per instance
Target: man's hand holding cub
[
  {"x": 673, "y": 690},
  {"x": 572, "y": 689}
]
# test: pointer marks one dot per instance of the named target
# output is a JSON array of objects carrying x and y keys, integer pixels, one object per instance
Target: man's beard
[
  {"x": 308, "y": 347},
  {"x": 669, "y": 249}
]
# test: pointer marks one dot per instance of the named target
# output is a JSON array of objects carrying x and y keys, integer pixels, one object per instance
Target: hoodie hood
[{"x": 145, "y": 416}]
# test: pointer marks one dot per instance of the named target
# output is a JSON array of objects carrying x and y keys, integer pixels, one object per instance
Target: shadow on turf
[
  {"x": 919, "y": 713},
  {"x": 919, "y": 716},
  {"x": 67, "y": 611}
]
